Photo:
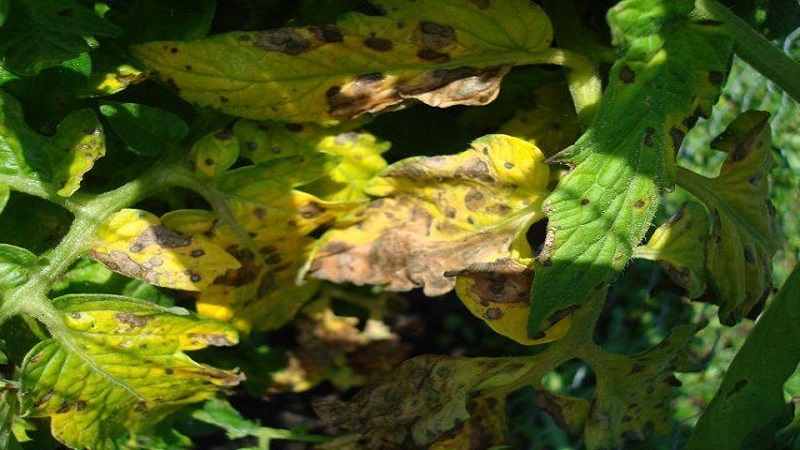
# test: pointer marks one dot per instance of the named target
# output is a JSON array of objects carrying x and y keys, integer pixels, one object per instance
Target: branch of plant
[{"x": 754, "y": 48}]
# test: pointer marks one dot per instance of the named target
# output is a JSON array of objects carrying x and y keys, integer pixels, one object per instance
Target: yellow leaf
[
  {"x": 499, "y": 294},
  {"x": 118, "y": 367},
  {"x": 441, "y": 52},
  {"x": 439, "y": 214},
  {"x": 135, "y": 243}
]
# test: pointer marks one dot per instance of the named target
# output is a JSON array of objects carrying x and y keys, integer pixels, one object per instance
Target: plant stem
[{"x": 754, "y": 48}]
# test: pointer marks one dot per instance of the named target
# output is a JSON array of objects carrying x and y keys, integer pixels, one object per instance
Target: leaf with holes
[
  {"x": 61, "y": 160},
  {"x": 135, "y": 243},
  {"x": 749, "y": 407},
  {"x": 744, "y": 234},
  {"x": 118, "y": 366},
  {"x": 602, "y": 208},
  {"x": 442, "y": 53},
  {"x": 438, "y": 214},
  {"x": 429, "y": 402},
  {"x": 679, "y": 246}
]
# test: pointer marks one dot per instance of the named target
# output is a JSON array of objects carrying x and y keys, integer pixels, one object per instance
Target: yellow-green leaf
[
  {"x": 425, "y": 402},
  {"x": 439, "y": 214},
  {"x": 135, "y": 243},
  {"x": 214, "y": 154},
  {"x": 499, "y": 294},
  {"x": 679, "y": 246},
  {"x": 118, "y": 366},
  {"x": 743, "y": 229},
  {"x": 441, "y": 52},
  {"x": 80, "y": 135}
]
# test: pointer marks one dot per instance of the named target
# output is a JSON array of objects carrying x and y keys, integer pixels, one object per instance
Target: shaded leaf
[
  {"x": 145, "y": 129},
  {"x": 551, "y": 124},
  {"x": 9, "y": 414},
  {"x": 16, "y": 264},
  {"x": 442, "y": 53},
  {"x": 40, "y": 33},
  {"x": 117, "y": 366},
  {"x": 631, "y": 401},
  {"x": 602, "y": 208},
  {"x": 570, "y": 413},
  {"x": 744, "y": 234},
  {"x": 679, "y": 246},
  {"x": 439, "y": 214},
  {"x": 165, "y": 19},
  {"x": 499, "y": 294},
  {"x": 749, "y": 407},
  {"x": 426, "y": 402},
  {"x": 5, "y": 193},
  {"x": 135, "y": 243}
]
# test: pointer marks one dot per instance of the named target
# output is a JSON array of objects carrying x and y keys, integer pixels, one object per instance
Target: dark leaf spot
[
  {"x": 493, "y": 313},
  {"x": 284, "y": 40},
  {"x": 378, "y": 44},
  {"x": 715, "y": 77},
  {"x": 131, "y": 320},
  {"x": 648, "y": 136},
  {"x": 627, "y": 75}
]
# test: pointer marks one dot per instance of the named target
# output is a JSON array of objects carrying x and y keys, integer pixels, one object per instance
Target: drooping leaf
[
  {"x": 633, "y": 394},
  {"x": 16, "y": 264},
  {"x": 145, "y": 129},
  {"x": 61, "y": 160},
  {"x": 428, "y": 401},
  {"x": 744, "y": 233},
  {"x": 679, "y": 246},
  {"x": 118, "y": 366},
  {"x": 439, "y": 52},
  {"x": 749, "y": 407},
  {"x": 602, "y": 208},
  {"x": 135, "y": 243},
  {"x": 40, "y": 33},
  {"x": 499, "y": 294},
  {"x": 439, "y": 214}
]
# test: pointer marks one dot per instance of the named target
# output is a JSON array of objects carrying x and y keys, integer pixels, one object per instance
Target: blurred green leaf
[{"x": 165, "y": 19}]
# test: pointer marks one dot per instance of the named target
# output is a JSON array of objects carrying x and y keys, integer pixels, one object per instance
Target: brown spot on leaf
[
  {"x": 327, "y": 34},
  {"x": 493, "y": 313},
  {"x": 378, "y": 44},
  {"x": 715, "y": 77},
  {"x": 217, "y": 340},
  {"x": 80, "y": 405},
  {"x": 284, "y": 40},
  {"x": 474, "y": 200},
  {"x": 748, "y": 255},
  {"x": 131, "y": 320},
  {"x": 197, "y": 253},
  {"x": 433, "y": 56},
  {"x": 627, "y": 75},
  {"x": 44, "y": 399},
  {"x": 677, "y": 136},
  {"x": 562, "y": 313},
  {"x": 584, "y": 201},
  {"x": 311, "y": 210},
  {"x": 648, "y": 136},
  {"x": 639, "y": 204},
  {"x": 161, "y": 236}
]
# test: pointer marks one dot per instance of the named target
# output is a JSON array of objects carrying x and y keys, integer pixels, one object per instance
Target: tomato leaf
[
  {"x": 679, "y": 246},
  {"x": 439, "y": 214},
  {"x": 119, "y": 366},
  {"x": 602, "y": 208},
  {"x": 439, "y": 52},
  {"x": 744, "y": 233},
  {"x": 15, "y": 265},
  {"x": 145, "y": 129}
]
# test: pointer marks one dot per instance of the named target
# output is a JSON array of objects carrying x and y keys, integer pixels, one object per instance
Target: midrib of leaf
[{"x": 702, "y": 188}]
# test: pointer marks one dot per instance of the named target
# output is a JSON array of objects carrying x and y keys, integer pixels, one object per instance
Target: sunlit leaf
[
  {"x": 499, "y": 294},
  {"x": 438, "y": 214},
  {"x": 749, "y": 407},
  {"x": 679, "y": 246},
  {"x": 440, "y": 52},
  {"x": 429, "y": 400},
  {"x": 118, "y": 366},
  {"x": 135, "y": 243},
  {"x": 603, "y": 207},
  {"x": 744, "y": 234},
  {"x": 61, "y": 160},
  {"x": 5, "y": 193}
]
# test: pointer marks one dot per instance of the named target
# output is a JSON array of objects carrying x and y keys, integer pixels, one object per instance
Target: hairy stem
[{"x": 754, "y": 48}]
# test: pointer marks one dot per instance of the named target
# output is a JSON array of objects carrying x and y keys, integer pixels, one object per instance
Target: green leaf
[
  {"x": 5, "y": 193},
  {"x": 438, "y": 214},
  {"x": 679, "y": 246},
  {"x": 145, "y": 129},
  {"x": 165, "y": 19},
  {"x": 429, "y": 402},
  {"x": 61, "y": 160},
  {"x": 749, "y": 407},
  {"x": 118, "y": 365},
  {"x": 41, "y": 33},
  {"x": 439, "y": 52},
  {"x": 15, "y": 265},
  {"x": 9, "y": 414},
  {"x": 222, "y": 414},
  {"x": 602, "y": 208},
  {"x": 744, "y": 234}
]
